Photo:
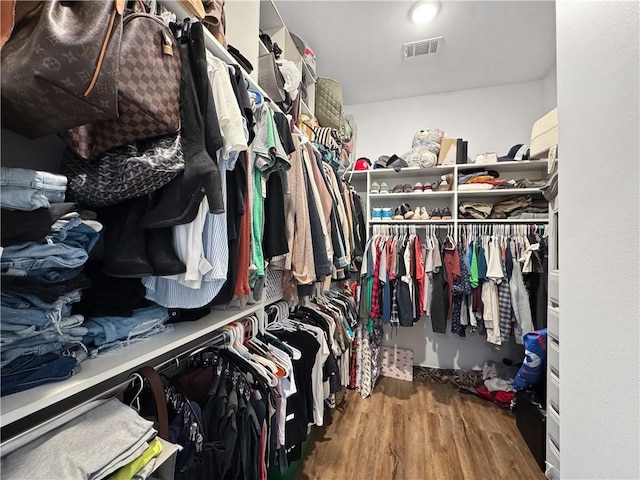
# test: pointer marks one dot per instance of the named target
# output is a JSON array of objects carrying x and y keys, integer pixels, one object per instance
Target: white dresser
[{"x": 553, "y": 347}]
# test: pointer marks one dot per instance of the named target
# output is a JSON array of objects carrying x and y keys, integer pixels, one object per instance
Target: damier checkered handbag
[{"x": 148, "y": 90}]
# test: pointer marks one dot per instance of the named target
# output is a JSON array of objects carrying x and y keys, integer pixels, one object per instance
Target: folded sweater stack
[{"x": 521, "y": 206}]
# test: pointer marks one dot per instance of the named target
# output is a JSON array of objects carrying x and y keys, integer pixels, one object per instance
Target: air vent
[{"x": 429, "y": 46}]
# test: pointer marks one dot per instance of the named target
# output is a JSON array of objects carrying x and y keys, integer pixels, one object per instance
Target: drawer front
[
  {"x": 553, "y": 425},
  {"x": 553, "y": 390},
  {"x": 553, "y": 454},
  {"x": 553, "y": 355},
  {"x": 554, "y": 287},
  {"x": 553, "y": 322}
]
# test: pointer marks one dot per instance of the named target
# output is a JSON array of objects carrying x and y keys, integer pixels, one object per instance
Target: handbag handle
[{"x": 159, "y": 399}]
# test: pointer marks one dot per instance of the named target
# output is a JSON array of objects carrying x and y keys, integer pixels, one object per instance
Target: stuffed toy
[{"x": 425, "y": 149}]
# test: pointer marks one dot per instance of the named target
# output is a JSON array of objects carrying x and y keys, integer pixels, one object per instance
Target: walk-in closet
[{"x": 278, "y": 240}]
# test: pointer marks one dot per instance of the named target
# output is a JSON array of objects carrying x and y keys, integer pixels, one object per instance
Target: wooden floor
[{"x": 417, "y": 430}]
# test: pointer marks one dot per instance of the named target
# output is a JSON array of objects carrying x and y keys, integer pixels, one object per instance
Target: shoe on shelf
[
  {"x": 375, "y": 188},
  {"x": 377, "y": 214},
  {"x": 424, "y": 214},
  {"x": 406, "y": 211},
  {"x": 386, "y": 213},
  {"x": 384, "y": 188},
  {"x": 443, "y": 186},
  {"x": 398, "y": 214},
  {"x": 427, "y": 187},
  {"x": 446, "y": 214},
  {"x": 406, "y": 188},
  {"x": 418, "y": 187},
  {"x": 435, "y": 214},
  {"x": 398, "y": 189}
]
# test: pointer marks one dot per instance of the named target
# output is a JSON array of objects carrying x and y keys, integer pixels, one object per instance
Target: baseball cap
[
  {"x": 517, "y": 152},
  {"x": 363, "y": 163}
]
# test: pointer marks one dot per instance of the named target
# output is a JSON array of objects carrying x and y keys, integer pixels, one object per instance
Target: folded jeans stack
[
  {"x": 45, "y": 246},
  {"x": 108, "y": 333},
  {"x": 29, "y": 190}
]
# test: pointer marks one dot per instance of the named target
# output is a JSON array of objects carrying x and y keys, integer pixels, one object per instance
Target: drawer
[
  {"x": 553, "y": 390},
  {"x": 553, "y": 454},
  {"x": 553, "y": 322},
  {"x": 553, "y": 355},
  {"x": 553, "y": 425},
  {"x": 554, "y": 287}
]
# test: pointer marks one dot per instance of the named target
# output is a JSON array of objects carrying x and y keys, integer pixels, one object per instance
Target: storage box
[
  {"x": 531, "y": 421},
  {"x": 544, "y": 135},
  {"x": 397, "y": 363}
]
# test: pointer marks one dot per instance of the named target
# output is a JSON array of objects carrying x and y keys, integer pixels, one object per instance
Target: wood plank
[{"x": 415, "y": 431}]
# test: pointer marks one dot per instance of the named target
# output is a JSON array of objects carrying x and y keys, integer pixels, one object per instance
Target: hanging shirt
[{"x": 171, "y": 294}]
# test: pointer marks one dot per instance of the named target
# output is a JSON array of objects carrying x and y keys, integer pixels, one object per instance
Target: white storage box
[{"x": 544, "y": 135}]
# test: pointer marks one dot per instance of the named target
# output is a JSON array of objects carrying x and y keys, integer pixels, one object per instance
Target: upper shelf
[
  {"x": 270, "y": 18},
  {"x": 114, "y": 368}
]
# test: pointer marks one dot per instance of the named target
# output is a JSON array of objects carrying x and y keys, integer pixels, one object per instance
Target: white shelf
[
  {"x": 270, "y": 18},
  {"x": 410, "y": 222},
  {"x": 501, "y": 167},
  {"x": 308, "y": 73},
  {"x": 504, "y": 220},
  {"x": 116, "y": 365},
  {"x": 305, "y": 109},
  {"x": 500, "y": 192},
  {"x": 262, "y": 49},
  {"x": 379, "y": 196}
]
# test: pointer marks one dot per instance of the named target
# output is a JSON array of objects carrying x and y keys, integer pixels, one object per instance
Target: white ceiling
[{"x": 359, "y": 43}]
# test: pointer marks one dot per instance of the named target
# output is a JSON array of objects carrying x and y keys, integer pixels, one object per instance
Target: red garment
[
  {"x": 376, "y": 290},
  {"x": 478, "y": 306},
  {"x": 500, "y": 398},
  {"x": 244, "y": 257},
  {"x": 451, "y": 262},
  {"x": 419, "y": 274}
]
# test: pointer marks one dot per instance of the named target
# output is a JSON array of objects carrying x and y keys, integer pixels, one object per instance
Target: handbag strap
[{"x": 159, "y": 398}]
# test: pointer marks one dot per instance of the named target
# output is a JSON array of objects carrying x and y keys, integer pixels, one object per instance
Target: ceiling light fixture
[{"x": 424, "y": 12}]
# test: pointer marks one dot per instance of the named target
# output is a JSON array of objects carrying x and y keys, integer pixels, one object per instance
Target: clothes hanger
[
  {"x": 136, "y": 398},
  {"x": 266, "y": 368}
]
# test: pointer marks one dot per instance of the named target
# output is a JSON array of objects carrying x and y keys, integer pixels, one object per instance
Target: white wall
[
  {"x": 442, "y": 350},
  {"x": 550, "y": 89},
  {"x": 599, "y": 148},
  {"x": 492, "y": 119}
]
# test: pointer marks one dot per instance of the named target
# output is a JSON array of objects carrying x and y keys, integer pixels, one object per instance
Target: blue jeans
[
  {"x": 29, "y": 348},
  {"x": 16, "y": 320},
  {"x": 22, "y": 189},
  {"x": 42, "y": 344},
  {"x": 59, "y": 259},
  {"x": 26, "y": 300},
  {"x": 108, "y": 329},
  {"x": 131, "y": 340},
  {"x": 56, "y": 370},
  {"x": 71, "y": 326}
]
